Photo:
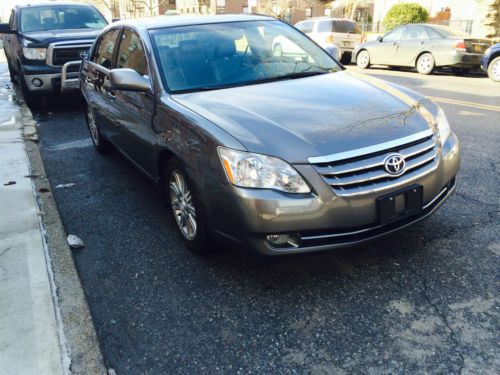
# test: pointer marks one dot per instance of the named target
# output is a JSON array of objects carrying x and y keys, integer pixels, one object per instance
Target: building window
[{"x": 308, "y": 12}]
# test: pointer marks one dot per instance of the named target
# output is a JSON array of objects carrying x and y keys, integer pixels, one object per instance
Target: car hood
[
  {"x": 49, "y": 36},
  {"x": 315, "y": 116}
]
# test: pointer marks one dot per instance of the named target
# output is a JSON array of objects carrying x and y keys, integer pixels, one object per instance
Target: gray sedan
[
  {"x": 281, "y": 154},
  {"x": 424, "y": 47}
]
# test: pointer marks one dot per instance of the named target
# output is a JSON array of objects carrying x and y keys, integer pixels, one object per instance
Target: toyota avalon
[{"x": 279, "y": 153}]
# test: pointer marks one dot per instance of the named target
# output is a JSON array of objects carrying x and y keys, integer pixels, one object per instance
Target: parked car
[
  {"x": 40, "y": 38},
  {"x": 490, "y": 62},
  {"x": 279, "y": 155},
  {"x": 330, "y": 32},
  {"x": 284, "y": 46},
  {"x": 424, "y": 47}
]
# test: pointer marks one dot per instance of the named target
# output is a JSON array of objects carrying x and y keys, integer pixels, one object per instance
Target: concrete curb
[{"x": 78, "y": 332}]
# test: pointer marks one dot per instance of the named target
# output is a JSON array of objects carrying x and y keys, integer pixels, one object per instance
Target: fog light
[
  {"x": 37, "y": 82},
  {"x": 283, "y": 240}
]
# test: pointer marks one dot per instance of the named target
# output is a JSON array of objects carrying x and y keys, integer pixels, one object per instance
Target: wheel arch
[
  {"x": 493, "y": 56},
  {"x": 420, "y": 54}
]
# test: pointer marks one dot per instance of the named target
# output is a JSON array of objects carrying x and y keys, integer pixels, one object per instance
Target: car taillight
[
  {"x": 329, "y": 39},
  {"x": 460, "y": 45}
]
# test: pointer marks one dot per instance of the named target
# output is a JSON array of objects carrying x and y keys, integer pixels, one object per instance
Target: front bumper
[
  {"x": 322, "y": 220},
  {"x": 50, "y": 78}
]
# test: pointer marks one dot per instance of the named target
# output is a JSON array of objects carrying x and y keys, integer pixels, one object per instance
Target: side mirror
[
  {"x": 128, "y": 80},
  {"x": 115, "y": 20},
  {"x": 5, "y": 29},
  {"x": 380, "y": 39}
]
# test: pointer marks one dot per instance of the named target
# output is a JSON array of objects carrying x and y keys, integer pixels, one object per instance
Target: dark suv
[{"x": 39, "y": 39}]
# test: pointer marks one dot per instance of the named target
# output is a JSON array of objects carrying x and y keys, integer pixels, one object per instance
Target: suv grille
[
  {"x": 366, "y": 174},
  {"x": 61, "y": 56}
]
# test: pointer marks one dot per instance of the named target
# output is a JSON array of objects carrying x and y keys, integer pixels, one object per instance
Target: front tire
[
  {"x": 32, "y": 100},
  {"x": 363, "y": 59},
  {"x": 494, "y": 69},
  {"x": 185, "y": 207},
  {"x": 13, "y": 76},
  {"x": 101, "y": 144},
  {"x": 426, "y": 64}
]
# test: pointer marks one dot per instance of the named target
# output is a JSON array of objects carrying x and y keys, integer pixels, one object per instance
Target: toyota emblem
[
  {"x": 395, "y": 164},
  {"x": 83, "y": 55}
]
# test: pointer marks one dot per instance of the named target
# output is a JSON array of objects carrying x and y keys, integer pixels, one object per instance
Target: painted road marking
[{"x": 488, "y": 107}]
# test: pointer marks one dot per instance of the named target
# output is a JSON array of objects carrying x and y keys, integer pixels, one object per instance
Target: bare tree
[
  {"x": 279, "y": 8},
  {"x": 153, "y": 7}
]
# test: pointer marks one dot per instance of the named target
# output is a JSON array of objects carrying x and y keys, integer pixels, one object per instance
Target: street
[{"x": 424, "y": 300}]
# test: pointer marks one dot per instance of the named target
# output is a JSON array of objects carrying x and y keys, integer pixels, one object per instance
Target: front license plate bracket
[{"x": 400, "y": 204}]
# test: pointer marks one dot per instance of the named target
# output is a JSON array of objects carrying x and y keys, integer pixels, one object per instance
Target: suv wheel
[
  {"x": 426, "y": 64},
  {"x": 363, "y": 59},
  {"x": 13, "y": 76},
  {"x": 185, "y": 207},
  {"x": 494, "y": 69},
  {"x": 33, "y": 101},
  {"x": 100, "y": 143}
]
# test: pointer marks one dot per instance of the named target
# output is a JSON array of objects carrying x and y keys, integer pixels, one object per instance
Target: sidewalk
[{"x": 31, "y": 337}]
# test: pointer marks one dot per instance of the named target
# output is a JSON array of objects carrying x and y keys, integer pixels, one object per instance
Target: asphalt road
[{"x": 424, "y": 300}]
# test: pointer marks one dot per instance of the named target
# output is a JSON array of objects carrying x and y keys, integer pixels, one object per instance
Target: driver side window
[
  {"x": 131, "y": 53},
  {"x": 394, "y": 35}
]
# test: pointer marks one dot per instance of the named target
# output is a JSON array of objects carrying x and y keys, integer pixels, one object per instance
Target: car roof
[
  {"x": 163, "y": 21},
  {"x": 28, "y": 4},
  {"x": 327, "y": 19}
]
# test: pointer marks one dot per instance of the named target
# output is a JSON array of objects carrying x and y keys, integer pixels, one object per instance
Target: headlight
[
  {"x": 35, "y": 53},
  {"x": 443, "y": 126},
  {"x": 250, "y": 170}
]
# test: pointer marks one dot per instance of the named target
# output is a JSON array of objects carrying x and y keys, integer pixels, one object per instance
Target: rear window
[
  {"x": 60, "y": 17},
  {"x": 447, "y": 31},
  {"x": 346, "y": 27}
]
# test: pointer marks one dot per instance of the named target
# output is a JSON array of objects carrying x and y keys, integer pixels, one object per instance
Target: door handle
[{"x": 422, "y": 42}]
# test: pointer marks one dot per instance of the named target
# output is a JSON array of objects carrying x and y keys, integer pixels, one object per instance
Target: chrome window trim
[{"x": 370, "y": 149}]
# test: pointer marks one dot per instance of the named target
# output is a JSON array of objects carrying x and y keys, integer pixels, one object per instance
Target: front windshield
[
  {"x": 214, "y": 56},
  {"x": 60, "y": 17}
]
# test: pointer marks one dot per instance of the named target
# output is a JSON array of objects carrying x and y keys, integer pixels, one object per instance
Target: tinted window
[
  {"x": 415, "y": 33},
  {"x": 206, "y": 57},
  {"x": 60, "y": 17},
  {"x": 305, "y": 27},
  {"x": 103, "y": 52},
  {"x": 324, "y": 26},
  {"x": 131, "y": 53},
  {"x": 394, "y": 35},
  {"x": 447, "y": 31},
  {"x": 348, "y": 27}
]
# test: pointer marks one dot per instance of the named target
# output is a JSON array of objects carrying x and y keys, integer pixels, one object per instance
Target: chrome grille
[
  {"x": 366, "y": 174},
  {"x": 62, "y": 52}
]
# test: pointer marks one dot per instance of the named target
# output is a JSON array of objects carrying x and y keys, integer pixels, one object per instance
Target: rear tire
[
  {"x": 426, "y": 64},
  {"x": 32, "y": 100},
  {"x": 101, "y": 144},
  {"x": 363, "y": 59},
  {"x": 494, "y": 69},
  {"x": 185, "y": 207}
]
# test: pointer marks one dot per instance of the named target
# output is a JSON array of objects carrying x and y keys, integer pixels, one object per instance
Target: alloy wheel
[
  {"x": 363, "y": 59},
  {"x": 495, "y": 70},
  {"x": 182, "y": 205},
  {"x": 94, "y": 132},
  {"x": 425, "y": 64}
]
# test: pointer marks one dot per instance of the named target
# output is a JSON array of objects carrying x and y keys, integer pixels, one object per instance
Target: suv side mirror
[
  {"x": 380, "y": 39},
  {"x": 5, "y": 29},
  {"x": 128, "y": 80}
]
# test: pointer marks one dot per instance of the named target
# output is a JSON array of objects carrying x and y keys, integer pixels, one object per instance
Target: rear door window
[
  {"x": 306, "y": 26},
  {"x": 103, "y": 52},
  {"x": 131, "y": 53},
  {"x": 324, "y": 27}
]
